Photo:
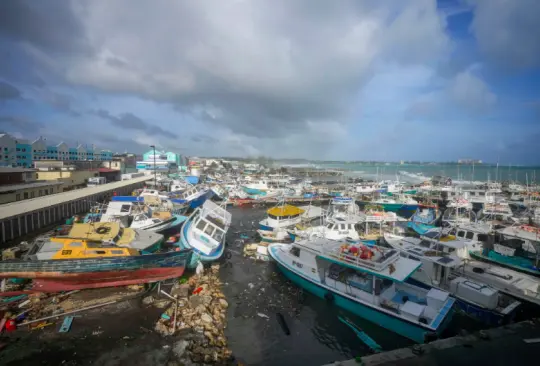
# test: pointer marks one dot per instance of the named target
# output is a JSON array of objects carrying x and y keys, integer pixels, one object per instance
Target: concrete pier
[
  {"x": 22, "y": 217},
  {"x": 514, "y": 344}
]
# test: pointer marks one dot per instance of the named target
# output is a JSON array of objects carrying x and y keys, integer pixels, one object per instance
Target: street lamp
[{"x": 155, "y": 173}]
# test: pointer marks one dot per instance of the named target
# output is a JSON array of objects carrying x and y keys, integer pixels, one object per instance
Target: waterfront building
[
  {"x": 72, "y": 174},
  {"x": 17, "y": 184},
  {"x": 164, "y": 161}
]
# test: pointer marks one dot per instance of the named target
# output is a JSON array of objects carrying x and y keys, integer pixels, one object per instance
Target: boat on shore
[
  {"x": 75, "y": 264},
  {"x": 279, "y": 219},
  {"x": 204, "y": 232},
  {"x": 113, "y": 232},
  {"x": 367, "y": 281}
]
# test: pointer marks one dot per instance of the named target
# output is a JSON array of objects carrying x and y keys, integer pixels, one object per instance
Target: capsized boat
[
  {"x": 204, "y": 232},
  {"x": 440, "y": 257},
  {"x": 367, "y": 281},
  {"x": 115, "y": 233},
  {"x": 65, "y": 264},
  {"x": 194, "y": 196}
]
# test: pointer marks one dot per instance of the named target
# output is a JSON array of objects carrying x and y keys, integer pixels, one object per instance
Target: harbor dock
[
  {"x": 514, "y": 344},
  {"x": 22, "y": 217}
]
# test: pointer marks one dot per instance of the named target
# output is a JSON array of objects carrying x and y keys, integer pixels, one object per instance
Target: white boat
[
  {"x": 343, "y": 207},
  {"x": 367, "y": 188},
  {"x": 279, "y": 219},
  {"x": 334, "y": 228},
  {"x": 441, "y": 257},
  {"x": 204, "y": 232},
  {"x": 368, "y": 281}
]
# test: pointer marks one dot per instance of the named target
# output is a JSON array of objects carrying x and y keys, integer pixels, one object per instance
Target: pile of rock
[{"x": 199, "y": 318}]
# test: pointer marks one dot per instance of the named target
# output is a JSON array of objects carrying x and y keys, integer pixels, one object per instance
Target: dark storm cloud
[
  {"x": 19, "y": 124},
  {"x": 131, "y": 121},
  {"x": 8, "y": 91},
  {"x": 48, "y": 25}
]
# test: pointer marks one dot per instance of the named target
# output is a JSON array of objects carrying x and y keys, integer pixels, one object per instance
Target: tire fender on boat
[{"x": 329, "y": 297}]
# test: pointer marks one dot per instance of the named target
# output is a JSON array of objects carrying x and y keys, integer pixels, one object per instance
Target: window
[
  {"x": 76, "y": 244},
  {"x": 125, "y": 208},
  {"x": 482, "y": 237},
  {"x": 209, "y": 230},
  {"x": 218, "y": 235},
  {"x": 295, "y": 251},
  {"x": 329, "y": 226},
  {"x": 25, "y": 195},
  {"x": 342, "y": 227},
  {"x": 46, "y": 192},
  {"x": 117, "y": 251},
  {"x": 469, "y": 235},
  {"x": 461, "y": 234},
  {"x": 18, "y": 197}
]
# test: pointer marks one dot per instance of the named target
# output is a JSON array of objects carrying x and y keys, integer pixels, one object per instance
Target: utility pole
[{"x": 155, "y": 172}]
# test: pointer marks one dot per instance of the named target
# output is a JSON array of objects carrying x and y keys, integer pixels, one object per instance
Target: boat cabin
[
  {"x": 67, "y": 248},
  {"x": 283, "y": 216},
  {"x": 210, "y": 227}
]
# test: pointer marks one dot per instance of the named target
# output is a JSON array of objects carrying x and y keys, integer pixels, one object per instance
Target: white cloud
[{"x": 472, "y": 92}]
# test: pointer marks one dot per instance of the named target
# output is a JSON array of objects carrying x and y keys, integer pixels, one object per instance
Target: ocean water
[{"x": 478, "y": 172}]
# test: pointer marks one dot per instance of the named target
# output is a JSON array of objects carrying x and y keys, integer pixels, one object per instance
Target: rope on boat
[{"x": 364, "y": 337}]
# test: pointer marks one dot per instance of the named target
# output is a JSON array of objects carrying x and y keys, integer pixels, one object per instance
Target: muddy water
[{"x": 256, "y": 291}]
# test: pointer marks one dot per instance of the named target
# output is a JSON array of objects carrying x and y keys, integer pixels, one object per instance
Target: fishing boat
[
  {"x": 335, "y": 228},
  {"x": 374, "y": 221},
  {"x": 256, "y": 187},
  {"x": 204, "y": 232},
  {"x": 438, "y": 254},
  {"x": 193, "y": 196},
  {"x": 396, "y": 202},
  {"x": 74, "y": 264},
  {"x": 342, "y": 207},
  {"x": 516, "y": 247},
  {"x": 279, "y": 219},
  {"x": 423, "y": 220},
  {"x": 115, "y": 233},
  {"x": 367, "y": 281},
  {"x": 521, "y": 286}
]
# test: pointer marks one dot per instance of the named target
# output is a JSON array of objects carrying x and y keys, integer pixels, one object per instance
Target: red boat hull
[{"x": 105, "y": 279}]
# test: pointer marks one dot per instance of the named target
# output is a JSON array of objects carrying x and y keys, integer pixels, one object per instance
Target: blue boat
[
  {"x": 193, "y": 196},
  {"x": 367, "y": 281},
  {"x": 204, "y": 232}
]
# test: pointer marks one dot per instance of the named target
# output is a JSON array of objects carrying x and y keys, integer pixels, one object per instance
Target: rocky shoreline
[{"x": 198, "y": 317}]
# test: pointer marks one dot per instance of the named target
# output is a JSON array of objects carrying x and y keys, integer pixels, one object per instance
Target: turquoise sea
[{"x": 478, "y": 172}]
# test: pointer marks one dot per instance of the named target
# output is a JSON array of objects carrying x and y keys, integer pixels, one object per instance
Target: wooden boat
[
  {"x": 73, "y": 264},
  {"x": 115, "y": 233}
]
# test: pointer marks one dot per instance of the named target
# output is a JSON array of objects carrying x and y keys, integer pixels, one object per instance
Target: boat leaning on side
[{"x": 204, "y": 232}]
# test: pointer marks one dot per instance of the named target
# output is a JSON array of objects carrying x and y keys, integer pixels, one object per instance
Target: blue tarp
[
  {"x": 128, "y": 199},
  {"x": 191, "y": 179}
]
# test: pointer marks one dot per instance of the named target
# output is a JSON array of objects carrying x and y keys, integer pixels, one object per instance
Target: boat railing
[{"x": 378, "y": 264}]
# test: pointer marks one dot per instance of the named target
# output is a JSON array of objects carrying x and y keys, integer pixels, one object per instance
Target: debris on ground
[{"x": 199, "y": 316}]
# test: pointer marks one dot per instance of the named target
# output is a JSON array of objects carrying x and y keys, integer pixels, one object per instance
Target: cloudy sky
[{"x": 340, "y": 79}]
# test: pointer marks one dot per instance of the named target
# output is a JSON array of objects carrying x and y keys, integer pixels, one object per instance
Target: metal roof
[
  {"x": 18, "y": 187},
  {"x": 22, "y": 207}
]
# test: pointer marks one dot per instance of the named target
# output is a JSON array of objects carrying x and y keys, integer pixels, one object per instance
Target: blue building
[{"x": 23, "y": 153}]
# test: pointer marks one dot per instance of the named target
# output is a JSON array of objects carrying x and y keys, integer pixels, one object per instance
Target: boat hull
[
  {"x": 198, "y": 255},
  {"x": 484, "y": 315},
  {"x": 519, "y": 264},
  {"x": 199, "y": 201},
  {"x": 401, "y": 327},
  {"x": 394, "y": 207},
  {"x": 73, "y": 274}
]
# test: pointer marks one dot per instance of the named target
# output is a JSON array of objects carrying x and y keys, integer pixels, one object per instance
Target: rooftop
[
  {"x": 15, "y": 170},
  {"x": 17, "y": 187},
  {"x": 23, "y": 207}
]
